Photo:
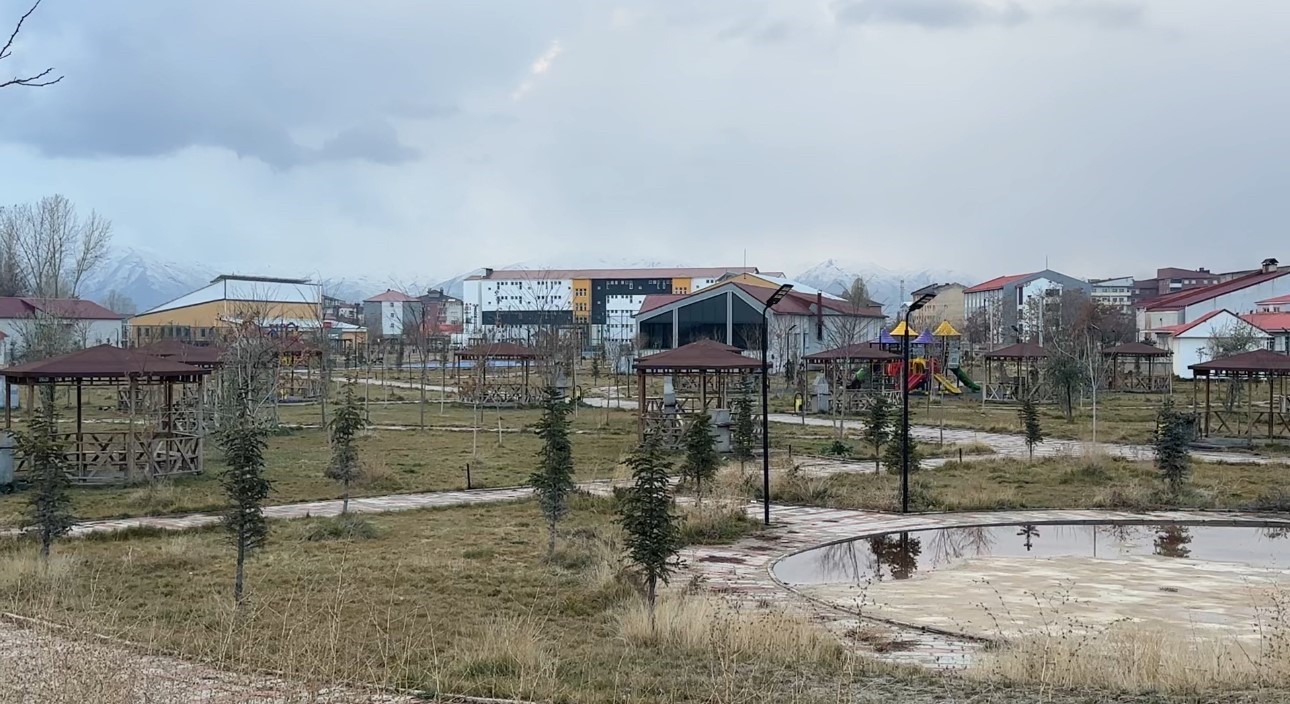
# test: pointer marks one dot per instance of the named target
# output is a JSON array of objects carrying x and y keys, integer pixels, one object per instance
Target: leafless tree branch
[{"x": 36, "y": 81}]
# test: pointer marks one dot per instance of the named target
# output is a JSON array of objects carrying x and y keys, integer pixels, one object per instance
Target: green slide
[{"x": 965, "y": 380}]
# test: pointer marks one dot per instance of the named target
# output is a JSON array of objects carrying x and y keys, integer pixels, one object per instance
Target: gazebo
[
  {"x": 1126, "y": 368},
  {"x": 854, "y": 375},
  {"x": 505, "y": 387},
  {"x": 697, "y": 379},
  {"x": 155, "y": 448},
  {"x": 1012, "y": 373},
  {"x": 294, "y": 353},
  {"x": 1250, "y": 367},
  {"x": 193, "y": 400}
]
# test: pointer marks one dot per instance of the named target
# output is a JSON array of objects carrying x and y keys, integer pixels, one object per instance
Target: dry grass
[
  {"x": 702, "y": 625},
  {"x": 718, "y": 521}
]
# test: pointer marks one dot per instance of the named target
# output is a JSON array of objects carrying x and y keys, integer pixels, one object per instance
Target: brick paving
[{"x": 742, "y": 572}]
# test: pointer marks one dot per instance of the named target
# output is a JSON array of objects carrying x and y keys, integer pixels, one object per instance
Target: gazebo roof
[
  {"x": 1136, "y": 349},
  {"x": 924, "y": 338},
  {"x": 1258, "y": 361},
  {"x": 945, "y": 330},
  {"x": 103, "y": 362},
  {"x": 184, "y": 353},
  {"x": 1021, "y": 350},
  {"x": 850, "y": 353},
  {"x": 704, "y": 355},
  {"x": 497, "y": 350},
  {"x": 885, "y": 338}
]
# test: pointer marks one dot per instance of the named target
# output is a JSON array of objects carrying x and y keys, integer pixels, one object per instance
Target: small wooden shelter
[
  {"x": 703, "y": 377},
  {"x": 150, "y": 447},
  {"x": 511, "y": 383},
  {"x": 1012, "y": 373},
  {"x": 300, "y": 372},
  {"x": 1126, "y": 368},
  {"x": 1249, "y": 368},
  {"x": 855, "y": 375}
]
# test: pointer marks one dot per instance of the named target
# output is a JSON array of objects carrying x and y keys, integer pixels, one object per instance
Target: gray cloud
[
  {"x": 937, "y": 14},
  {"x": 1106, "y": 13},
  {"x": 376, "y": 142}
]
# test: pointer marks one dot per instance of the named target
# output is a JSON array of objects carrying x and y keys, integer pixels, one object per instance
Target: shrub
[{"x": 345, "y": 527}]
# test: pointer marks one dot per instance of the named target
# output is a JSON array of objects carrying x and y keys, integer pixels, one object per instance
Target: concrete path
[{"x": 742, "y": 571}]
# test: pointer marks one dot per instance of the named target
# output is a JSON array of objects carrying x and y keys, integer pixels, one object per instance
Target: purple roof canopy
[
  {"x": 923, "y": 339},
  {"x": 886, "y": 339}
]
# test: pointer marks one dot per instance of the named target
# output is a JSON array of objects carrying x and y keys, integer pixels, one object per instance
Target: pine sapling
[
  {"x": 653, "y": 531},
  {"x": 346, "y": 423},
  {"x": 701, "y": 458},
  {"x": 877, "y": 426},
  {"x": 743, "y": 438},
  {"x": 893, "y": 456},
  {"x": 1172, "y": 445},
  {"x": 50, "y": 508},
  {"x": 243, "y": 443},
  {"x": 552, "y": 481},
  {"x": 1029, "y": 415}
]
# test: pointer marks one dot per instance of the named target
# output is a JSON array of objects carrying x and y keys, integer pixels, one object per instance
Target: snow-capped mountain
[
  {"x": 885, "y": 285},
  {"x": 144, "y": 277}
]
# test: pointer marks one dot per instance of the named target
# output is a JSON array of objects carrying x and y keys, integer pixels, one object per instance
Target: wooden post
[
  {"x": 1207, "y": 406},
  {"x": 129, "y": 436},
  {"x": 640, "y": 404},
  {"x": 8, "y": 412},
  {"x": 1271, "y": 403},
  {"x": 80, "y": 439},
  {"x": 31, "y": 401}
]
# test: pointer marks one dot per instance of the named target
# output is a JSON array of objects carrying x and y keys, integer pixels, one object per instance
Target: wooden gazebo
[
  {"x": 195, "y": 399},
  {"x": 1012, "y": 373},
  {"x": 300, "y": 373},
  {"x": 149, "y": 447},
  {"x": 506, "y": 387},
  {"x": 1251, "y": 368},
  {"x": 855, "y": 376},
  {"x": 1126, "y": 368},
  {"x": 704, "y": 375}
]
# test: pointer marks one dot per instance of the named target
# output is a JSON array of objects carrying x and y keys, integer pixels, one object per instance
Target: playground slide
[
  {"x": 966, "y": 380},
  {"x": 946, "y": 385},
  {"x": 916, "y": 381}
]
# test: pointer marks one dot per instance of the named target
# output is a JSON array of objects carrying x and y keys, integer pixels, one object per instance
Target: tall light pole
[
  {"x": 775, "y": 297},
  {"x": 904, "y": 401}
]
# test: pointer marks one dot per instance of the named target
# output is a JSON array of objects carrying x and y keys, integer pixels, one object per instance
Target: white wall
[
  {"x": 620, "y": 321},
  {"x": 1190, "y": 348},
  {"x": 96, "y": 332},
  {"x": 1243, "y": 301}
]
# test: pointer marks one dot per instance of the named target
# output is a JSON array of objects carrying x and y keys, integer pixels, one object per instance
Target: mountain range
[{"x": 149, "y": 279}]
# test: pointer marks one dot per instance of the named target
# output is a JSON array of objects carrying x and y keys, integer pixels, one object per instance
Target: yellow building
[{"x": 228, "y": 300}]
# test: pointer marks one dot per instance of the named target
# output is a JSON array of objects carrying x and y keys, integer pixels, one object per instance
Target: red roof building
[
  {"x": 1240, "y": 295},
  {"x": 995, "y": 284},
  {"x": 391, "y": 296}
]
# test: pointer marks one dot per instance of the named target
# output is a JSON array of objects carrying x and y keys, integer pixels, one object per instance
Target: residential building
[
  {"x": 1240, "y": 295},
  {"x": 731, "y": 312},
  {"x": 443, "y": 313},
  {"x": 948, "y": 305},
  {"x": 341, "y": 310},
  {"x": 1172, "y": 280},
  {"x": 1004, "y": 300},
  {"x": 88, "y": 323},
  {"x": 1273, "y": 317},
  {"x": 392, "y": 314},
  {"x": 1118, "y": 293},
  {"x": 514, "y": 304},
  {"x": 229, "y": 300},
  {"x": 1191, "y": 342}
]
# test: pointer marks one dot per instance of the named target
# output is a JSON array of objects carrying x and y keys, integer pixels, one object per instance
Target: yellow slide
[{"x": 947, "y": 385}]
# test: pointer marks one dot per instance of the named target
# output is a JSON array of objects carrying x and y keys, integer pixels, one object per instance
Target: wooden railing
[{"x": 108, "y": 457}]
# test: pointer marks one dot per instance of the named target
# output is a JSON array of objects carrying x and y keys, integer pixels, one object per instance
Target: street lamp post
[
  {"x": 904, "y": 402},
  {"x": 775, "y": 297}
]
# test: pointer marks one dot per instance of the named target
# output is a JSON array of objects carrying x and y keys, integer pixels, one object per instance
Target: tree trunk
[
  {"x": 344, "y": 495},
  {"x": 423, "y": 390},
  {"x": 650, "y": 593},
  {"x": 550, "y": 540},
  {"x": 46, "y": 542},
  {"x": 241, "y": 569}
]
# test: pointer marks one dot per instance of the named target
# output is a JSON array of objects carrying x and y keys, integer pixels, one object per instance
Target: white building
[
  {"x": 1113, "y": 293},
  {"x": 392, "y": 314},
  {"x": 1002, "y": 302},
  {"x": 1240, "y": 295},
  {"x": 90, "y": 323},
  {"x": 1190, "y": 342},
  {"x": 514, "y": 304}
]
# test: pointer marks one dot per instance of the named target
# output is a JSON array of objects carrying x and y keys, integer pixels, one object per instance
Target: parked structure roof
[
  {"x": 184, "y": 353},
  {"x": 793, "y": 303},
  {"x": 1275, "y": 301},
  {"x": 1136, "y": 349},
  {"x": 259, "y": 289},
  {"x": 497, "y": 350},
  {"x": 704, "y": 355},
  {"x": 849, "y": 353},
  {"x": 996, "y": 283}
]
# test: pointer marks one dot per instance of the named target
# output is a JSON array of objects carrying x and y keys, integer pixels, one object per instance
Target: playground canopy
[
  {"x": 155, "y": 449},
  {"x": 945, "y": 330},
  {"x": 1271, "y": 366}
]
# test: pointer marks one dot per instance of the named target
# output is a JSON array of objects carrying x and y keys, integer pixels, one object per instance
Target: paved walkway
[{"x": 742, "y": 571}]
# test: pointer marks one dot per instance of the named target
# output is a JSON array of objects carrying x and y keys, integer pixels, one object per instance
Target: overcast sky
[{"x": 412, "y": 138}]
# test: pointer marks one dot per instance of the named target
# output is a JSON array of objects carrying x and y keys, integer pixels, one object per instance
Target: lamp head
[
  {"x": 922, "y": 301},
  {"x": 778, "y": 295}
]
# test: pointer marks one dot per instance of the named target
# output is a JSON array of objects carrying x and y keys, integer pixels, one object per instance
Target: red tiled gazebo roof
[
  {"x": 1021, "y": 350},
  {"x": 850, "y": 353},
  {"x": 1256, "y": 362},
  {"x": 704, "y": 355},
  {"x": 103, "y": 362}
]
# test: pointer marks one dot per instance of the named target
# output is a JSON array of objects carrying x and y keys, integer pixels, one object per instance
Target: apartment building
[
  {"x": 1114, "y": 293},
  {"x": 511, "y": 304},
  {"x": 1171, "y": 280},
  {"x": 1002, "y": 301}
]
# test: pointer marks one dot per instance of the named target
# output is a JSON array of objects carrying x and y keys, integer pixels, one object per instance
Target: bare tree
[
  {"x": 44, "y": 78},
  {"x": 53, "y": 248},
  {"x": 117, "y": 302}
]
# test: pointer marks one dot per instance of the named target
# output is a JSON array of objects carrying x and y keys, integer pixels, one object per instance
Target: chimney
[
  {"x": 1270, "y": 265},
  {"x": 819, "y": 315},
  {"x": 488, "y": 272}
]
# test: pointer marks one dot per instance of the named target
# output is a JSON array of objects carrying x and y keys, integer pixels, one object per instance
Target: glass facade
[{"x": 708, "y": 319}]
